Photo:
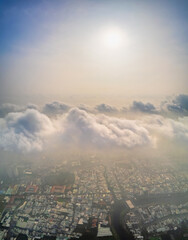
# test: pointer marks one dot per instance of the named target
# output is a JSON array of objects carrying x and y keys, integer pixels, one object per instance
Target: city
[{"x": 153, "y": 200}]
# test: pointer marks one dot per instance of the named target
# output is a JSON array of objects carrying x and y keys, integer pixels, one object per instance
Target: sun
[{"x": 112, "y": 38}]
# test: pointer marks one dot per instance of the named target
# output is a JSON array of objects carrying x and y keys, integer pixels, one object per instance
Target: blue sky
[{"x": 20, "y": 18}]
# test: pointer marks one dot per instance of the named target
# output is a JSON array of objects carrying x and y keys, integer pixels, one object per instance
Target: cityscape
[{"x": 77, "y": 199}]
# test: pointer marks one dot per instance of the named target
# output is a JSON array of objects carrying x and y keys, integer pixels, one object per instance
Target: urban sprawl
[{"x": 152, "y": 199}]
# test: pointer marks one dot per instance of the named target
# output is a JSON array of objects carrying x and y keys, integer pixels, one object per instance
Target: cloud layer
[{"x": 31, "y": 130}]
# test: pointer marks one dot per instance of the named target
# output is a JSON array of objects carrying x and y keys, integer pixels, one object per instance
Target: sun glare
[{"x": 112, "y": 38}]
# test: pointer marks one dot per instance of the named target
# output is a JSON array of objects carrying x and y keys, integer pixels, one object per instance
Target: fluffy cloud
[
  {"x": 102, "y": 130},
  {"x": 177, "y": 130},
  {"x": 105, "y": 108},
  {"x": 55, "y": 108},
  {"x": 85, "y": 108},
  {"x": 24, "y": 131},
  {"x": 32, "y": 131},
  {"x": 178, "y": 105},
  {"x": 28, "y": 131},
  {"x": 143, "y": 107},
  {"x": 9, "y": 107}
]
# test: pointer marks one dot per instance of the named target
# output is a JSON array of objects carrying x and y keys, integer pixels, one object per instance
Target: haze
[{"x": 92, "y": 48}]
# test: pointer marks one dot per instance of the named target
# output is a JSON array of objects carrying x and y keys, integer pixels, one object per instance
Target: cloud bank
[
  {"x": 176, "y": 106},
  {"x": 31, "y": 130}
]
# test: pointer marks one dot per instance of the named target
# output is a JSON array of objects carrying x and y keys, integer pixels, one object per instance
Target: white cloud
[
  {"x": 178, "y": 130},
  {"x": 25, "y": 131},
  {"x": 33, "y": 131},
  {"x": 102, "y": 130}
]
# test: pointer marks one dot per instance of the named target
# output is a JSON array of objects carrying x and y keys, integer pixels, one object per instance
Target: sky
[
  {"x": 65, "y": 49},
  {"x": 94, "y": 74}
]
